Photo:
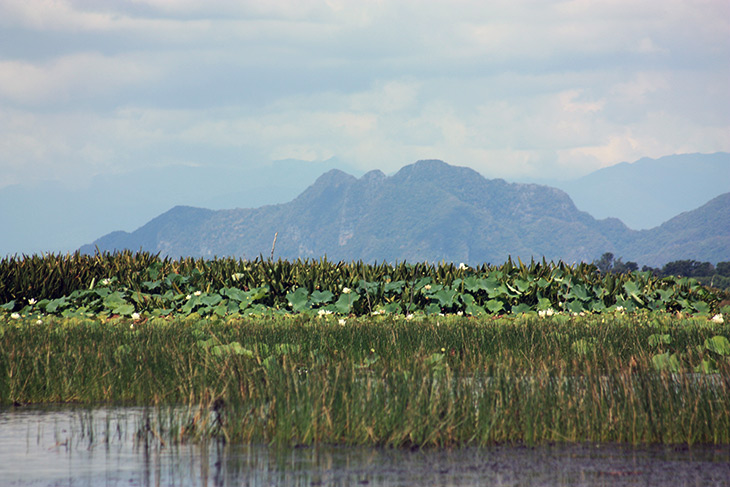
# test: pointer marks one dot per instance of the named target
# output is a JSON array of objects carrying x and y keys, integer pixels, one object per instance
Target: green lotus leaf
[
  {"x": 666, "y": 362},
  {"x": 719, "y": 345}
]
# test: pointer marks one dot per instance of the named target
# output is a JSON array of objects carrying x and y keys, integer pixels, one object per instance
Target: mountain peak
[
  {"x": 334, "y": 177},
  {"x": 374, "y": 175},
  {"x": 435, "y": 171}
]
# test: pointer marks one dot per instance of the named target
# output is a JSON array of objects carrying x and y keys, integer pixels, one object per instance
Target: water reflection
[{"x": 103, "y": 447}]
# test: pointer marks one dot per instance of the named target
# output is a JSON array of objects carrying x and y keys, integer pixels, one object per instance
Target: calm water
[{"x": 84, "y": 447}]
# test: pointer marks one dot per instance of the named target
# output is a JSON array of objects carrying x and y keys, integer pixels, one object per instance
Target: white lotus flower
[
  {"x": 427, "y": 287},
  {"x": 135, "y": 316},
  {"x": 346, "y": 290},
  {"x": 32, "y": 301},
  {"x": 545, "y": 312},
  {"x": 197, "y": 293},
  {"x": 341, "y": 322},
  {"x": 717, "y": 318}
]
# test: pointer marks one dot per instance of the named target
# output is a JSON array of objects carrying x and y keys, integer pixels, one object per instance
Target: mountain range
[
  {"x": 52, "y": 216},
  {"x": 427, "y": 211},
  {"x": 648, "y": 192}
]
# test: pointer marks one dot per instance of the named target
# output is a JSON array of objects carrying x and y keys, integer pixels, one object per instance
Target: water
[{"x": 82, "y": 447}]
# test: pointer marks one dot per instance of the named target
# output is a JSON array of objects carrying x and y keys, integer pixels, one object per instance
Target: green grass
[{"x": 385, "y": 380}]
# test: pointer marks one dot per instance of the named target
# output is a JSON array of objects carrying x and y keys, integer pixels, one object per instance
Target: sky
[{"x": 513, "y": 89}]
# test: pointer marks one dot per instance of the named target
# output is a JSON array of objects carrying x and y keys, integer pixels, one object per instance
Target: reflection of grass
[{"x": 384, "y": 380}]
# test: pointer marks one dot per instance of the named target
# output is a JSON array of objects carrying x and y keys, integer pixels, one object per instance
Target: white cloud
[
  {"x": 510, "y": 88},
  {"x": 83, "y": 75}
]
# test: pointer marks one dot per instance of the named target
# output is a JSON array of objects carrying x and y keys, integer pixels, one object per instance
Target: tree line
[{"x": 717, "y": 276}]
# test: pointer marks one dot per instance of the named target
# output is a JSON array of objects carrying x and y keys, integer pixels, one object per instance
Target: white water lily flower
[
  {"x": 135, "y": 316},
  {"x": 341, "y": 322},
  {"x": 15, "y": 316},
  {"x": 427, "y": 287},
  {"x": 409, "y": 316},
  {"x": 619, "y": 308},
  {"x": 106, "y": 281},
  {"x": 459, "y": 313},
  {"x": 717, "y": 318},
  {"x": 197, "y": 293},
  {"x": 39, "y": 322},
  {"x": 188, "y": 296},
  {"x": 346, "y": 290},
  {"x": 463, "y": 266},
  {"x": 323, "y": 312},
  {"x": 32, "y": 301},
  {"x": 545, "y": 312}
]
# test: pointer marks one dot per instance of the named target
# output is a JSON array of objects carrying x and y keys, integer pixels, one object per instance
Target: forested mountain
[{"x": 426, "y": 211}]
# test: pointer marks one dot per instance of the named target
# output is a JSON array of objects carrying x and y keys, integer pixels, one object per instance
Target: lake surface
[{"x": 91, "y": 447}]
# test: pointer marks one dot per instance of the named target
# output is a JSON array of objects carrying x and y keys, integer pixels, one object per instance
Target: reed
[{"x": 385, "y": 380}]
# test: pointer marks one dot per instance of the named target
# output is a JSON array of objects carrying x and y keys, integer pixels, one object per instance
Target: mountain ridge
[
  {"x": 621, "y": 190},
  {"x": 428, "y": 210}
]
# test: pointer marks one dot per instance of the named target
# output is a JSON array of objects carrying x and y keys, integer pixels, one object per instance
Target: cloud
[
  {"x": 513, "y": 89},
  {"x": 81, "y": 76}
]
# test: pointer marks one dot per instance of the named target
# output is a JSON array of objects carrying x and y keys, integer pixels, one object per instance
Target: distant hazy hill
[
  {"x": 426, "y": 211},
  {"x": 648, "y": 192},
  {"x": 702, "y": 234},
  {"x": 50, "y": 217}
]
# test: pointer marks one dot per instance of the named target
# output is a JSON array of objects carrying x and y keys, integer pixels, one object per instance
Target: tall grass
[{"x": 385, "y": 380}]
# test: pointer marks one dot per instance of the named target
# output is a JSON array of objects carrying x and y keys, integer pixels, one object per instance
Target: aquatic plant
[
  {"x": 384, "y": 379},
  {"x": 126, "y": 283}
]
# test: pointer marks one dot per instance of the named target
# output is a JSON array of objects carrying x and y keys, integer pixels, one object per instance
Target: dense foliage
[
  {"x": 351, "y": 353},
  {"x": 144, "y": 284}
]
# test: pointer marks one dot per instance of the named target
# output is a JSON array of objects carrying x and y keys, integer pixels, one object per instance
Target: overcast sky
[{"x": 510, "y": 88}]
